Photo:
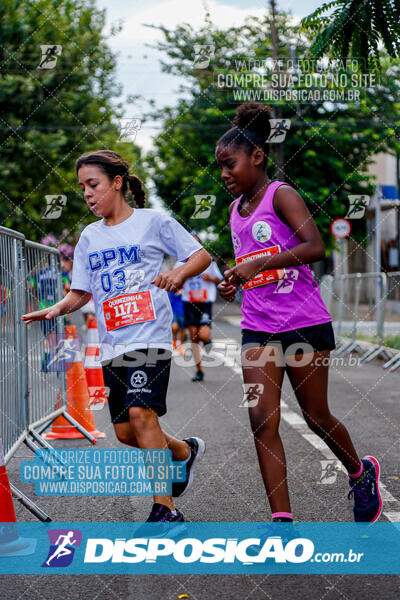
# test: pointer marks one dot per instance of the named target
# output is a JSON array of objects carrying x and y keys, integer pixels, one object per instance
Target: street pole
[
  {"x": 341, "y": 257},
  {"x": 377, "y": 250},
  {"x": 278, "y": 148}
]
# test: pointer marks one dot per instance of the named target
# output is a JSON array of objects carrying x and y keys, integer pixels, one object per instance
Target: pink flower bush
[{"x": 65, "y": 243}]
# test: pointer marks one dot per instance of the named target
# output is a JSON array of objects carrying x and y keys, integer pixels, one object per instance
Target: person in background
[
  {"x": 198, "y": 295},
  {"x": 178, "y": 319}
]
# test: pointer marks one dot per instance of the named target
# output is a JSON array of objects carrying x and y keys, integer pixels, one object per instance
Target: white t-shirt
[
  {"x": 119, "y": 262},
  {"x": 196, "y": 289}
]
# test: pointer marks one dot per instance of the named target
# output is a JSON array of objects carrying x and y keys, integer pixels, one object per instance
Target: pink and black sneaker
[{"x": 365, "y": 491}]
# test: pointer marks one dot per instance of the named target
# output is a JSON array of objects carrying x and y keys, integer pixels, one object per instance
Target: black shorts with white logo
[
  {"x": 137, "y": 378},
  {"x": 197, "y": 314}
]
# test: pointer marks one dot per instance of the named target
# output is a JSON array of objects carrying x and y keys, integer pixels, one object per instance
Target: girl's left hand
[
  {"x": 171, "y": 281},
  {"x": 240, "y": 274}
]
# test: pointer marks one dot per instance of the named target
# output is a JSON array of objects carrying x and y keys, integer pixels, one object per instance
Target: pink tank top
[{"x": 278, "y": 300}]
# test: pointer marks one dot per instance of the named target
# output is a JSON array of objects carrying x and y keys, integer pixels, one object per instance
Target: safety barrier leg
[
  {"x": 343, "y": 348},
  {"x": 374, "y": 353},
  {"x": 45, "y": 444},
  {"x": 395, "y": 366},
  {"x": 27, "y": 503},
  {"x": 79, "y": 427},
  {"x": 366, "y": 357},
  {"x": 394, "y": 358}
]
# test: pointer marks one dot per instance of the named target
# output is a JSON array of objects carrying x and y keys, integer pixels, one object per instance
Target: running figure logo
[
  {"x": 285, "y": 286},
  {"x": 330, "y": 469},
  {"x": 64, "y": 354},
  {"x": 128, "y": 129},
  {"x": 204, "y": 205},
  {"x": 55, "y": 205},
  {"x": 50, "y": 53},
  {"x": 357, "y": 207},
  {"x": 203, "y": 55},
  {"x": 236, "y": 242},
  {"x": 98, "y": 397},
  {"x": 252, "y": 394},
  {"x": 279, "y": 129},
  {"x": 62, "y": 547}
]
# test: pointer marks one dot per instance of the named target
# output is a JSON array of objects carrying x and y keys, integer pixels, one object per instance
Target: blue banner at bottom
[{"x": 199, "y": 548}]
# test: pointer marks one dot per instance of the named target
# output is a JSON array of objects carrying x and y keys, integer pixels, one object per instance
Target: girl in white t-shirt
[{"x": 118, "y": 259}]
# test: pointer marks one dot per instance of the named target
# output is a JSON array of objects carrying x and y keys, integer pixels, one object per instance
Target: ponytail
[{"x": 137, "y": 189}]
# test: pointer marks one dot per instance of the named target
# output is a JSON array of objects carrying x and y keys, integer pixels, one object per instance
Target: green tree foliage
[
  {"x": 49, "y": 117},
  {"x": 326, "y": 152},
  {"x": 355, "y": 28}
]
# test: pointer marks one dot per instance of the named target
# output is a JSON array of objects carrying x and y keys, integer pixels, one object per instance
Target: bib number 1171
[{"x": 126, "y": 308}]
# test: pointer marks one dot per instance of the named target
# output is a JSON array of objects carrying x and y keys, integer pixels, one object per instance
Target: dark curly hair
[{"x": 251, "y": 128}]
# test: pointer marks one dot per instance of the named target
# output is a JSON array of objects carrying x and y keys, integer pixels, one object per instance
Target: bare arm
[
  {"x": 74, "y": 300},
  {"x": 174, "y": 280},
  {"x": 215, "y": 280}
]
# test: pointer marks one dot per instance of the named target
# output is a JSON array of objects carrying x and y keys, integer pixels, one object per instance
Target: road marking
[
  {"x": 231, "y": 359},
  {"x": 392, "y": 516},
  {"x": 316, "y": 441}
]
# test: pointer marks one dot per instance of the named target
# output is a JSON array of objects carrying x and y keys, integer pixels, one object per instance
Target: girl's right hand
[
  {"x": 227, "y": 290},
  {"x": 40, "y": 315}
]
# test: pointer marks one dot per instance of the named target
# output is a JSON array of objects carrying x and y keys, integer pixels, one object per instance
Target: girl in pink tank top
[{"x": 286, "y": 325}]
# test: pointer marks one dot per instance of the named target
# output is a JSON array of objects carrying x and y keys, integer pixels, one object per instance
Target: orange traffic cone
[
  {"x": 77, "y": 402},
  {"x": 92, "y": 333},
  {"x": 93, "y": 369},
  {"x": 10, "y": 543}
]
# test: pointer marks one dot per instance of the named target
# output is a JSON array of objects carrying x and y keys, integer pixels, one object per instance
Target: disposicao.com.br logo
[
  {"x": 209, "y": 548},
  {"x": 212, "y": 550}
]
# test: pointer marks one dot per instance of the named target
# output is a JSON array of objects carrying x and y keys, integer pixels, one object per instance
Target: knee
[
  {"x": 127, "y": 438},
  {"x": 264, "y": 426},
  {"x": 204, "y": 337},
  {"x": 141, "y": 418},
  {"x": 318, "y": 422}
]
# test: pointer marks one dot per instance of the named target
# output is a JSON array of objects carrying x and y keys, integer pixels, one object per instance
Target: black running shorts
[
  {"x": 138, "y": 378},
  {"x": 319, "y": 337},
  {"x": 197, "y": 314}
]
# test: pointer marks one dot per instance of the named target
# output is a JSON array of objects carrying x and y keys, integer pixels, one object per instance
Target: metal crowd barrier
[
  {"x": 32, "y": 393},
  {"x": 13, "y": 374},
  {"x": 44, "y": 287},
  {"x": 355, "y": 303},
  {"x": 326, "y": 288},
  {"x": 393, "y": 295}
]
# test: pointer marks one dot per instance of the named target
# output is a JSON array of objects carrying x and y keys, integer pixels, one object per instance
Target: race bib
[
  {"x": 265, "y": 276},
  {"x": 128, "y": 310},
  {"x": 198, "y": 296}
]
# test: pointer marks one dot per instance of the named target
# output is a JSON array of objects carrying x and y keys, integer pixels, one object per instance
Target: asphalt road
[{"x": 228, "y": 484}]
